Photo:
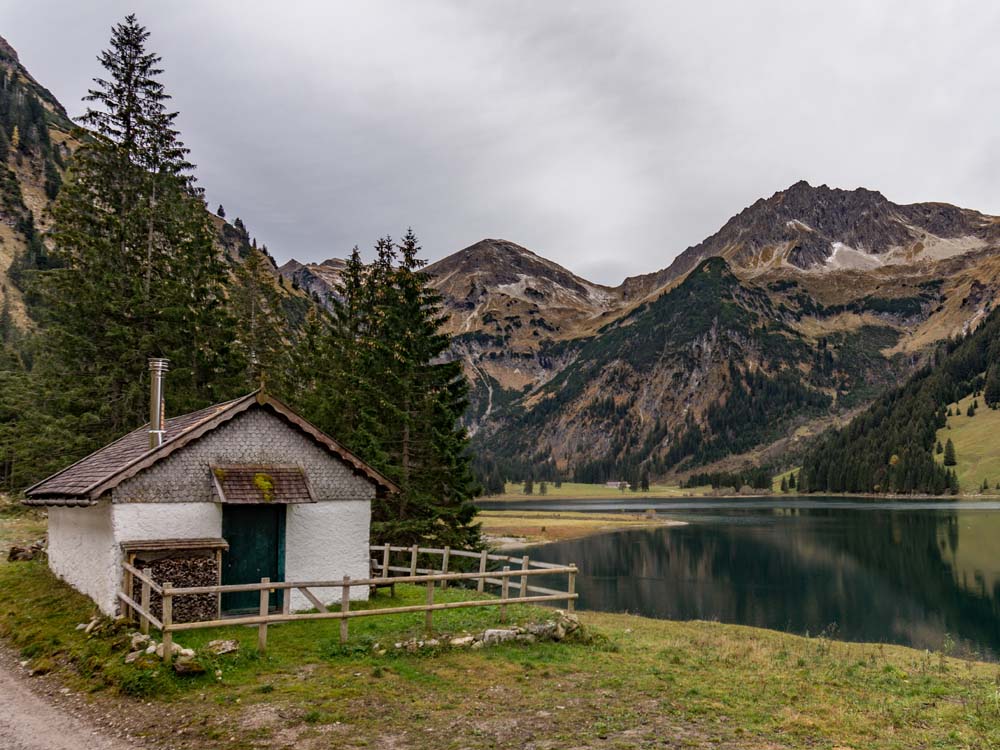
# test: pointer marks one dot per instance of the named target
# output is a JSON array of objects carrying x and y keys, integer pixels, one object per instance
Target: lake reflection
[{"x": 899, "y": 573}]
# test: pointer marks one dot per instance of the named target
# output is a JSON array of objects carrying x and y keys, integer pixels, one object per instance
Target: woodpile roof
[{"x": 84, "y": 482}]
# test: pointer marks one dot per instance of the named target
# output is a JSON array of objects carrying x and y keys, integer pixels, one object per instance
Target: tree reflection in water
[{"x": 899, "y": 575}]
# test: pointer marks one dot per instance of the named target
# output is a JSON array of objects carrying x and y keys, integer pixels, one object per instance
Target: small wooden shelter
[{"x": 239, "y": 491}]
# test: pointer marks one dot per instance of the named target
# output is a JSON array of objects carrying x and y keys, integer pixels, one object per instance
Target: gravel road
[{"x": 31, "y": 720}]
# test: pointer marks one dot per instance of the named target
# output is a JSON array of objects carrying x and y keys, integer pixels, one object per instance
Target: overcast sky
[{"x": 607, "y": 136}]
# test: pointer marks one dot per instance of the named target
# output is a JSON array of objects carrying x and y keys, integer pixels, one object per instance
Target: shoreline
[
  {"x": 509, "y": 529},
  {"x": 630, "y": 497}
]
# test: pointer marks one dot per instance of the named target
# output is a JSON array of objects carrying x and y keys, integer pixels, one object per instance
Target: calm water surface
[{"x": 915, "y": 573}]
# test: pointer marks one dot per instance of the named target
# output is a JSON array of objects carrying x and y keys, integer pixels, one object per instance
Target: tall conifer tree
[
  {"x": 388, "y": 392},
  {"x": 140, "y": 275}
]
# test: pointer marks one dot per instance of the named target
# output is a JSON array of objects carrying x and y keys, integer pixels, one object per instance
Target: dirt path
[{"x": 36, "y": 715}]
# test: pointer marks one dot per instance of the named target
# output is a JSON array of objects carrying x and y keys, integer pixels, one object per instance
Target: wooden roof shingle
[
  {"x": 261, "y": 484},
  {"x": 84, "y": 482}
]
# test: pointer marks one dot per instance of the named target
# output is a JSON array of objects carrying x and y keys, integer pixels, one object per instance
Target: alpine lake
[{"x": 924, "y": 574}]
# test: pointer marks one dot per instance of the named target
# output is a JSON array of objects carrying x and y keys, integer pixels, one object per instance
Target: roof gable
[{"x": 88, "y": 479}]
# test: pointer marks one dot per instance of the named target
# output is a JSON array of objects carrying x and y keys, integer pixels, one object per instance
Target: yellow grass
[
  {"x": 977, "y": 445},
  {"x": 776, "y": 481}
]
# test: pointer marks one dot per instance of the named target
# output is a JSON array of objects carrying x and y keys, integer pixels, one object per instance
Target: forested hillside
[
  {"x": 708, "y": 369},
  {"x": 892, "y": 447}
]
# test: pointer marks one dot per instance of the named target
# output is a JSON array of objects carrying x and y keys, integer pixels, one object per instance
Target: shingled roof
[
  {"x": 84, "y": 482},
  {"x": 261, "y": 484}
]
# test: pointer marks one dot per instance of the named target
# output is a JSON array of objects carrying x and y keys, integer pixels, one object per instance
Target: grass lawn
[
  {"x": 776, "y": 481},
  {"x": 977, "y": 445},
  {"x": 579, "y": 491},
  {"x": 633, "y": 683}
]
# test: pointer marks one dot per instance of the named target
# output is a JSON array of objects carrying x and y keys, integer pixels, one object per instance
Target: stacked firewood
[{"x": 193, "y": 570}]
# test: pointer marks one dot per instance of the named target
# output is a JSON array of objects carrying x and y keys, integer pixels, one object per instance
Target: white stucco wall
[
  {"x": 83, "y": 552},
  {"x": 134, "y": 522},
  {"x": 327, "y": 541}
]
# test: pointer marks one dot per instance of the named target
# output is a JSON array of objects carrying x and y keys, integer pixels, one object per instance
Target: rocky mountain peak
[
  {"x": 493, "y": 263},
  {"x": 10, "y": 61},
  {"x": 7, "y": 52},
  {"x": 820, "y": 229}
]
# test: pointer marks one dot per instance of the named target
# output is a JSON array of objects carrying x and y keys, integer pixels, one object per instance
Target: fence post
[
  {"x": 144, "y": 601},
  {"x": 127, "y": 590},
  {"x": 286, "y": 601},
  {"x": 386, "y": 551},
  {"x": 525, "y": 564},
  {"x": 483, "y": 558},
  {"x": 504, "y": 591},
  {"x": 345, "y": 607},
  {"x": 571, "y": 589},
  {"x": 265, "y": 594},
  {"x": 413, "y": 560},
  {"x": 429, "y": 616},
  {"x": 444, "y": 565},
  {"x": 168, "y": 620},
  {"x": 218, "y": 582}
]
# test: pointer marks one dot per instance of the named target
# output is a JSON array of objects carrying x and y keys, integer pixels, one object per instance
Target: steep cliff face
[{"x": 35, "y": 145}]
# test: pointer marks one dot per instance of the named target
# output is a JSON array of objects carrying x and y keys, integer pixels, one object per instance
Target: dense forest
[
  {"x": 891, "y": 447},
  {"x": 135, "y": 266}
]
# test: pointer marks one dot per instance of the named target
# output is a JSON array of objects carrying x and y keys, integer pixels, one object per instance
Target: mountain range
[{"x": 794, "y": 315}]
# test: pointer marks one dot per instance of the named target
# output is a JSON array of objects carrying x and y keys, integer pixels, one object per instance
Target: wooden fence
[{"x": 385, "y": 573}]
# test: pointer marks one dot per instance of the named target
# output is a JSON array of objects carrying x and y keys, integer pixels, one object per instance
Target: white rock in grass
[
  {"x": 175, "y": 649},
  {"x": 221, "y": 648},
  {"x": 498, "y": 635}
]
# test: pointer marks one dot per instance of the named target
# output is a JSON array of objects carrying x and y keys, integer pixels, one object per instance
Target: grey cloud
[{"x": 607, "y": 136}]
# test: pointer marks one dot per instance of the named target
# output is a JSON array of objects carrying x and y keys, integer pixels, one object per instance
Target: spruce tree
[
  {"x": 991, "y": 393},
  {"x": 261, "y": 336},
  {"x": 6, "y": 319},
  {"x": 949, "y": 453},
  {"x": 389, "y": 392},
  {"x": 138, "y": 275}
]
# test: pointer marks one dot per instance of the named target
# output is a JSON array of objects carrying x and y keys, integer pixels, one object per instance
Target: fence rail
[{"x": 526, "y": 570}]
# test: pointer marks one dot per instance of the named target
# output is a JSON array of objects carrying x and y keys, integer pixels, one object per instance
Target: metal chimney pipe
[{"x": 157, "y": 371}]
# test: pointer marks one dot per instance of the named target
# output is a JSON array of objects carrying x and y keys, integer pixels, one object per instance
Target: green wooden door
[{"x": 256, "y": 536}]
